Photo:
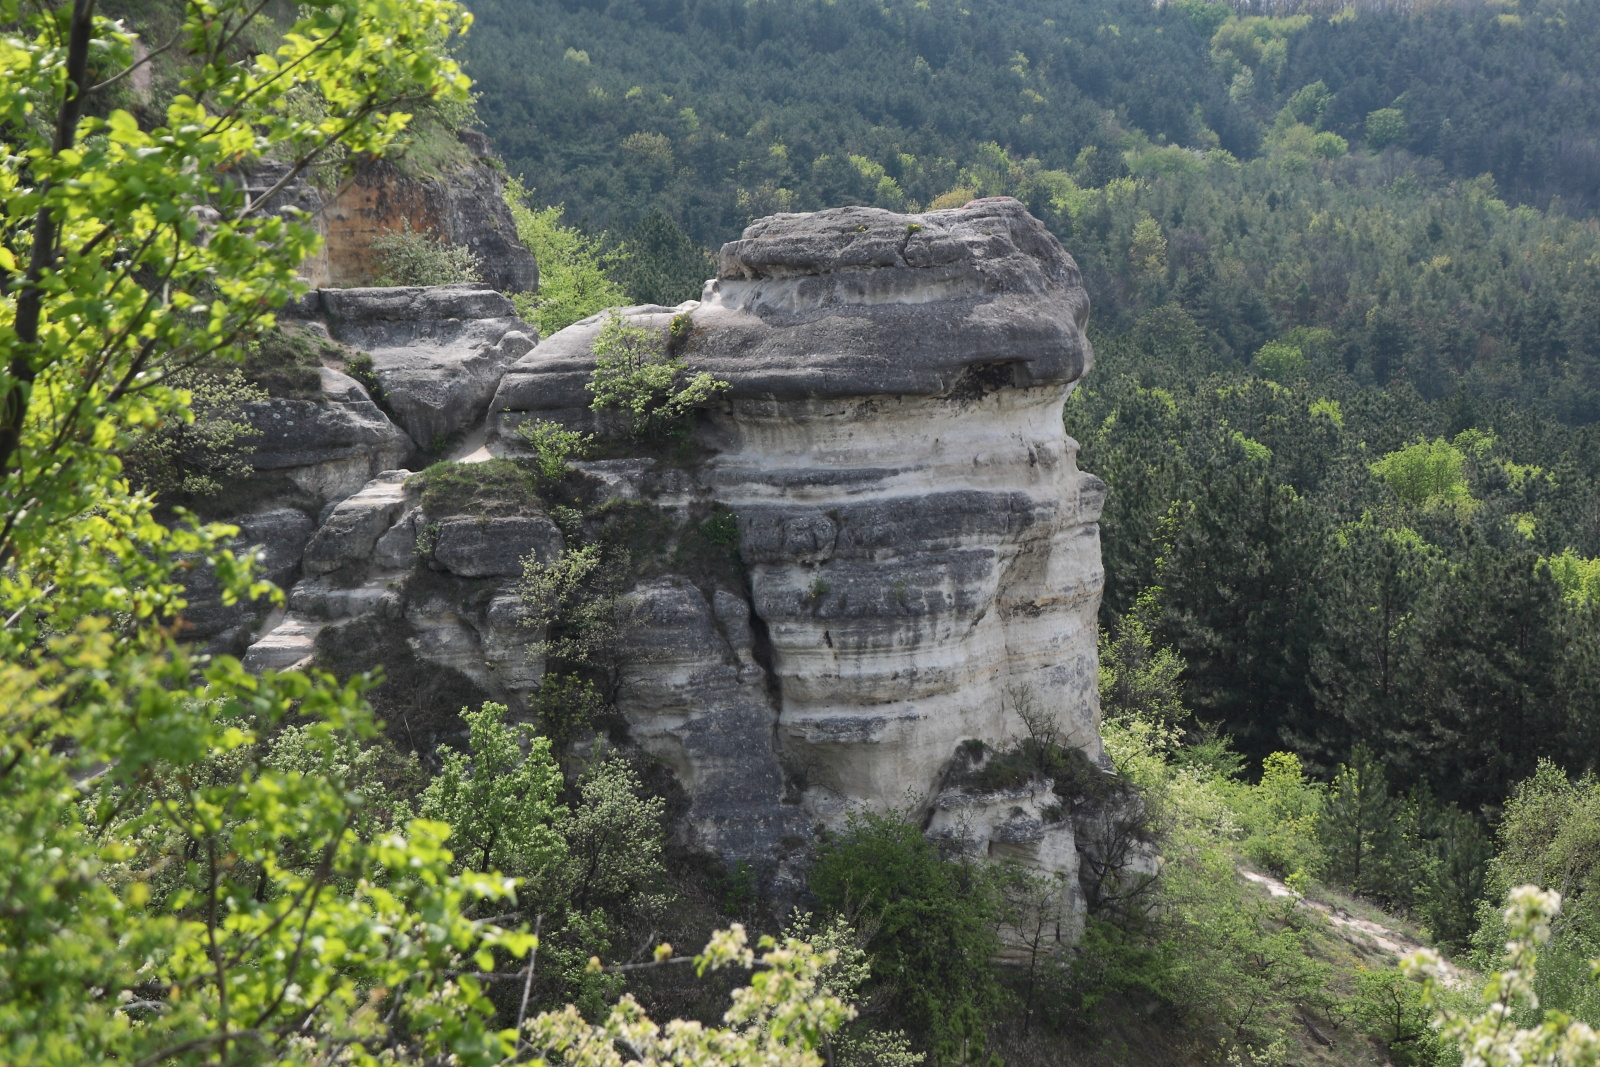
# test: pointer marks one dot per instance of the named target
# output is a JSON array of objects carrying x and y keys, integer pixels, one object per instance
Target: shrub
[
  {"x": 189, "y": 458},
  {"x": 554, "y": 447},
  {"x": 406, "y": 257},
  {"x": 499, "y": 800},
  {"x": 935, "y": 935},
  {"x": 1550, "y": 837},
  {"x": 634, "y": 374},
  {"x": 574, "y": 270},
  {"x": 1389, "y": 1006},
  {"x": 1280, "y": 817}
]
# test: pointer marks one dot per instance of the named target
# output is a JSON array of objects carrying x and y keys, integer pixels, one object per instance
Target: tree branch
[
  {"x": 30, "y": 298},
  {"x": 148, "y": 56}
]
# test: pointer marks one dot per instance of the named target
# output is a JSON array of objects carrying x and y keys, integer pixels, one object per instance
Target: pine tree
[
  {"x": 1360, "y": 826},
  {"x": 662, "y": 265}
]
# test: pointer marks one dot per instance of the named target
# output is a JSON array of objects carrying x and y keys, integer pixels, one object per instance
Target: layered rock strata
[
  {"x": 920, "y": 554},
  {"x": 922, "y": 550},
  {"x": 436, "y": 357},
  {"x": 330, "y": 447}
]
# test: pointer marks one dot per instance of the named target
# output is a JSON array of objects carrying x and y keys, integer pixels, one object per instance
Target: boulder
[
  {"x": 438, "y": 352},
  {"x": 472, "y": 547},
  {"x": 328, "y": 448},
  {"x": 352, "y": 528},
  {"x": 397, "y": 549},
  {"x": 327, "y": 599}
]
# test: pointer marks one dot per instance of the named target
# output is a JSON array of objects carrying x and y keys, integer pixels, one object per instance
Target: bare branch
[{"x": 148, "y": 56}]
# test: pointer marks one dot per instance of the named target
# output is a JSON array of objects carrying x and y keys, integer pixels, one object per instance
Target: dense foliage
[{"x": 718, "y": 111}]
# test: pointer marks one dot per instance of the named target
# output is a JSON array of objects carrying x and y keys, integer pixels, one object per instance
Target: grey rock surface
[
  {"x": 287, "y": 645},
  {"x": 477, "y": 629},
  {"x": 695, "y": 698},
  {"x": 329, "y": 448},
  {"x": 279, "y": 537},
  {"x": 352, "y": 529},
  {"x": 438, "y": 352},
  {"x": 472, "y": 547},
  {"x": 923, "y": 552},
  {"x": 473, "y": 212},
  {"x": 397, "y": 549}
]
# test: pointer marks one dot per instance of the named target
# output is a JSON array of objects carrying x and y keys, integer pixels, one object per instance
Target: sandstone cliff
[
  {"x": 917, "y": 553},
  {"x": 918, "y": 537},
  {"x": 461, "y": 205}
]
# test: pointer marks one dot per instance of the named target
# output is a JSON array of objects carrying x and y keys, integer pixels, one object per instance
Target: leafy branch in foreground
[
  {"x": 173, "y": 889},
  {"x": 778, "y": 1020},
  {"x": 1493, "y": 1038}
]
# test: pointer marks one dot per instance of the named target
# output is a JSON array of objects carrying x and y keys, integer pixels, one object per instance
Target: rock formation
[
  {"x": 331, "y": 447},
  {"x": 462, "y": 205},
  {"x": 923, "y": 553},
  {"x": 438, "y": 352},
  {"x": 918, "y": 566}
]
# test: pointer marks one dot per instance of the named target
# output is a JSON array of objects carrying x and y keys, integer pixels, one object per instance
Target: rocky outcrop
[
  {"x": 446, "y": 584},
  {"x": 695, "y": 696},
  {"x": 278, "y": 538},
  {"x": 328, "y": 448},
  {"x": 462, "y": 204},
  {"x": 438, "y": 352},
  {"x": 918, "y": 554},
  {"x": 437, "y": 356},
  {"x": 918, "y": 537},
  {"x": 470, "y": 546},
  {"x": 352, "y": 527}
]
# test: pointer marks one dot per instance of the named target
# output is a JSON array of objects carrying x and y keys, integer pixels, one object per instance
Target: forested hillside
[
  {"x": 1345, "y": 271},
  {"x": 719, "y": 110}
]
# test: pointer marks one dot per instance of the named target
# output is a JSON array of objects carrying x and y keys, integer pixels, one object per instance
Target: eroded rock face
[
  {"x": 328, "y": 448},
  {"x": 694, "y": 696},
  {"x": 438, "y": 352},
  {"x": 919, "y": 536},
  {"x": 922, "y": 549},
  {"x": 464, "y": 206}
]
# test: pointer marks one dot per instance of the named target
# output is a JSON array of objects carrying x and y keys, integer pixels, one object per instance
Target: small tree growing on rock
[
  {"x": 636, "y": 374},
  {"x": 407, "y": 257}
]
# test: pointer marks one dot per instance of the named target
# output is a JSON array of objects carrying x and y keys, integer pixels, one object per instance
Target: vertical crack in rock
[{"x": 918, "y": 537}]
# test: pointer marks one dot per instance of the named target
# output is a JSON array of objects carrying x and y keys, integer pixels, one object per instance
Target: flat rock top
[
  {"x": 415, "y": 303},
  {"x": 861, "y": 301},
  {"x": 997, "y": 239},
  {"x": 857, "y": 302}
]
